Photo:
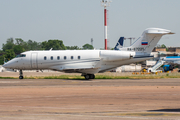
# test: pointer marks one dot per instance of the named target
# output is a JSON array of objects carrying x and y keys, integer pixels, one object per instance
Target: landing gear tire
[
  {"x": 87, "y": 77},
  {"x": 21, "y": 77},
  {"x": 92, "y": 76},
  {"x": 20, "y": 74}
]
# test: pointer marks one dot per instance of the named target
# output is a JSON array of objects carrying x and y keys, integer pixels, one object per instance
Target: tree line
[{"x": 13, "y": 47}]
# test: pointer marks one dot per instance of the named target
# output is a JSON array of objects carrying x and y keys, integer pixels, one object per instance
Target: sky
[{"x": 77, "y": 21}]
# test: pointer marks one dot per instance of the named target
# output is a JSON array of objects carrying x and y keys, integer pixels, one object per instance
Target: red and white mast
[{"x": 105, "y": 3}]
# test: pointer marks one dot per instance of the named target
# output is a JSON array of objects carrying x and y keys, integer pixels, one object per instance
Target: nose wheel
[
  {"x": 21, "y": 77},
  {"x": 20, "y": 74}
]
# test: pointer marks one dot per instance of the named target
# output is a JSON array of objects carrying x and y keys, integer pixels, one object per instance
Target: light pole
[{"x": 105, "y": 3}]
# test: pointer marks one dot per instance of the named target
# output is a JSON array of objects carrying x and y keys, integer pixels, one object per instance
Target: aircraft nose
[
  {"x": 6, "y": 65},
  {"x": 9, "y": 64}
]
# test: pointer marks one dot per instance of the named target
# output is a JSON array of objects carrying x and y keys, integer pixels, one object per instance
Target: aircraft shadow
[
  {"x": 134, "y": 79},
  {"x": 165, "y": 110},
  {"x": 78, "y": 79}
]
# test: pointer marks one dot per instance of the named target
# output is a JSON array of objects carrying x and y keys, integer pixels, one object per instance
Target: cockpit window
[
  {"x": 17, "y": 55},
  {"x": 21, "y": 55}
]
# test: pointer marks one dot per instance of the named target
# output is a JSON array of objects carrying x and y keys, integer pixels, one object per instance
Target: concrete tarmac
[{"x": 96, "y": 99}]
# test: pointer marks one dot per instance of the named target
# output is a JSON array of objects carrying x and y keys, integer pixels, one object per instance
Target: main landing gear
[
  {"x": 20, "y": 74},
  {"x": 89, "y": 76}
]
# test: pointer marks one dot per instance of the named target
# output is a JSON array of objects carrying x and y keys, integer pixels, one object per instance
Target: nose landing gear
[{"x": 20, "y": 74}]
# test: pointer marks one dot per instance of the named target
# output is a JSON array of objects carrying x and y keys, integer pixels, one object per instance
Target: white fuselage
[
  {"x": 172, "y": 59},
  {"x": 82, "y": 61},
  {"x": 89, "y": 62}
]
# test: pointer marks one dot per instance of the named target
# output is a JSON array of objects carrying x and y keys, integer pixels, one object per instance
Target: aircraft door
[{"x": 34, "y": 61}]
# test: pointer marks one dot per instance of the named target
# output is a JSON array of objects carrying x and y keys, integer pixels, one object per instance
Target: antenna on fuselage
[{"x": 50, "y": 49}]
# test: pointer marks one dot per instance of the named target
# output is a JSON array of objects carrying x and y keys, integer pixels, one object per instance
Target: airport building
[{"x": 169, "y": 51}]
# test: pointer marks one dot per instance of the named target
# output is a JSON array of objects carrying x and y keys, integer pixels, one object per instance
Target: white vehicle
[{"x": 88, "y": 62}]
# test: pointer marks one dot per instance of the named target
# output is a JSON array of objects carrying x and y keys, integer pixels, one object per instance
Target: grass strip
[
  {"x": 8, "y": 77},
  {"x": 102, "y": 76}
]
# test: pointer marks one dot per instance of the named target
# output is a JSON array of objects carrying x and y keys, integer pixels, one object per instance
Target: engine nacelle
[{"x": 109, "y": 55}]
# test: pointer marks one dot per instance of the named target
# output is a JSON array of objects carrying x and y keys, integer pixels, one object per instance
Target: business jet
[{"x": 88, "y": 62}]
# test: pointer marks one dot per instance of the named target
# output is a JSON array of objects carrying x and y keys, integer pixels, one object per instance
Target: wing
[{"x": 84, "y": 66}]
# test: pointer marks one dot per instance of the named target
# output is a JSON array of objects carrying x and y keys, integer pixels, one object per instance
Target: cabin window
[
  {"x": 71, "y": 57},
  {"x": 44, "y": 57},
  {"x": 58, "y": 57},
  {"x": 64, "y": 57},
  {"x": 51, "y": 57},
  {"x": 79, "y": 57}
]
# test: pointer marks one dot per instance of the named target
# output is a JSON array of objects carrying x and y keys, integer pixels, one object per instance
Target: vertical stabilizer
[
  {"x": 148, "y": 40},
  {"x": 119, "y": 43}
]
